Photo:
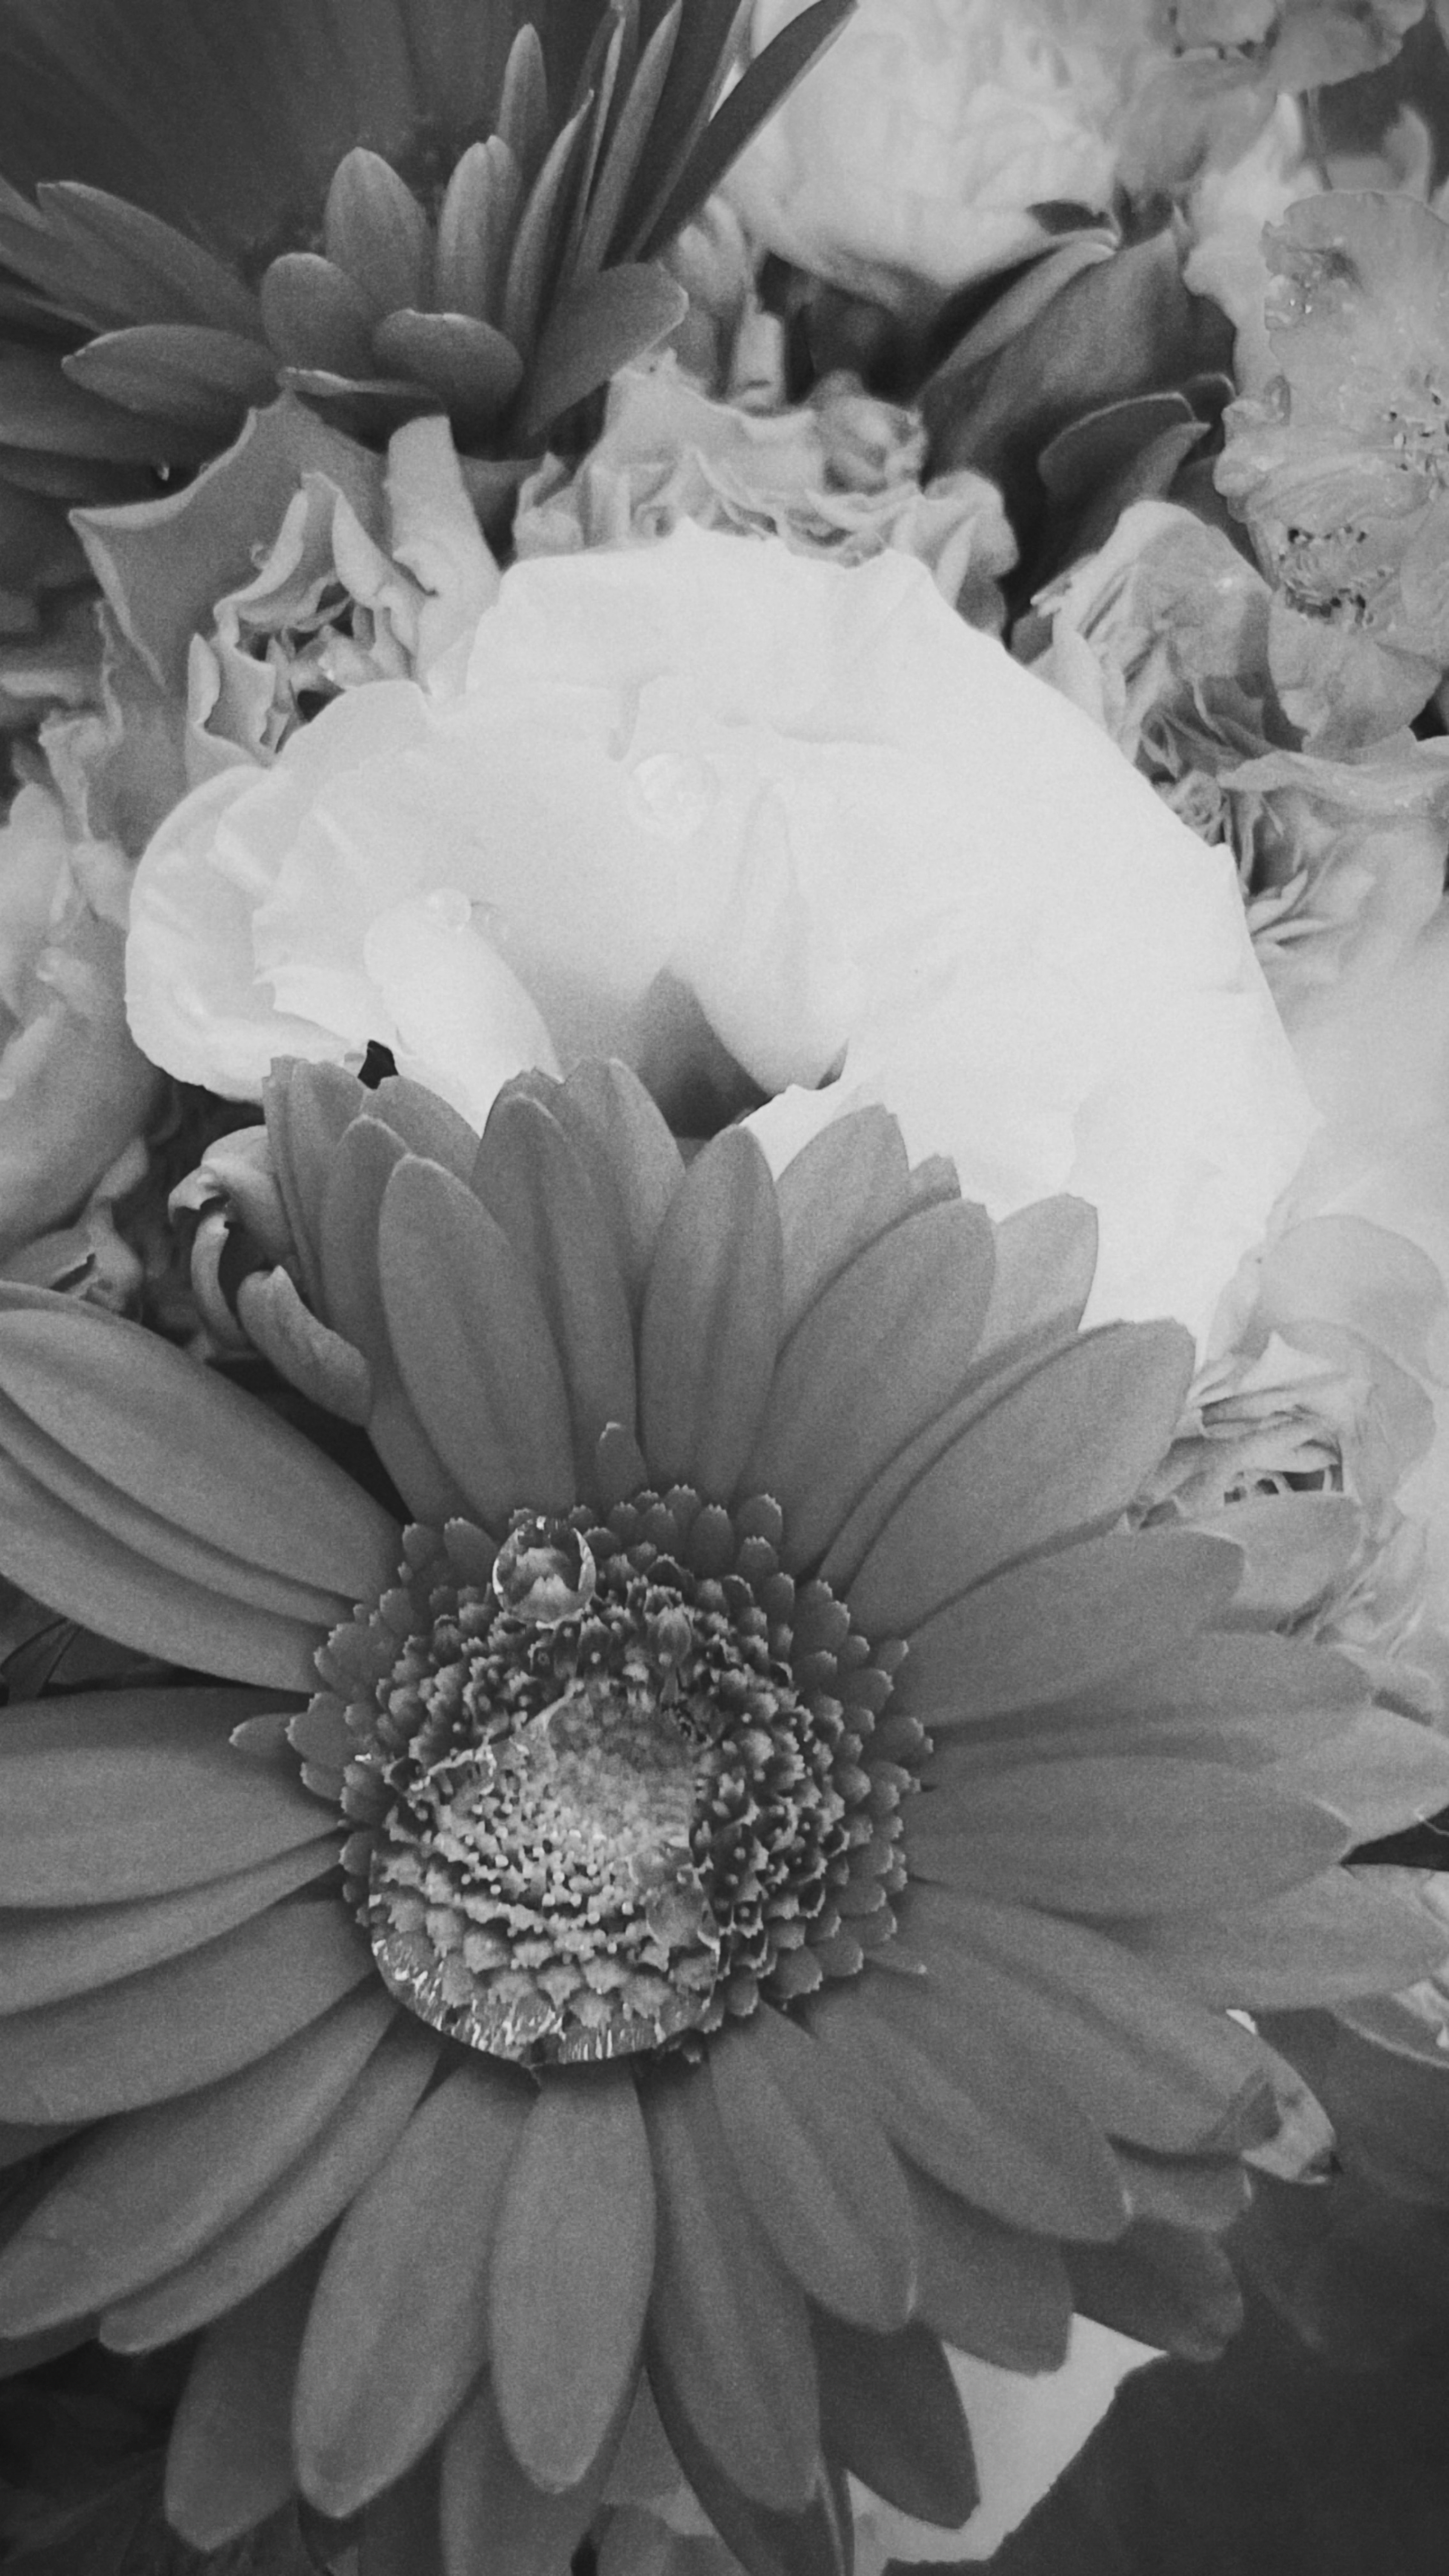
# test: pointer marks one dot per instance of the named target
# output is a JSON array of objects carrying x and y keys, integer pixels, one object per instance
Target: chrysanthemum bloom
[{"x": 742, "y": 1886}]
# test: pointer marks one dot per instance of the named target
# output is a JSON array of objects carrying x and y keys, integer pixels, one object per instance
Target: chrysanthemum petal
[
  {"x": 632, "y": 1159},
  {"x": 986, "y": 2288},
  {"x": 729, "y": 2336},
  {"x": 532, "y": 1180},
  {"x": 844, "y": 1189},
  {"x": 877, "y": 1356},
  {"x": 817, "y": 2541},
  {"x": 115, "y": 1795},
  {"x": 1046, "y": 1256},
  {"x": 1065, "y": 1450},
  {"x": 496, "y": 2522},
  {"x": 1167, "y": 2286},
  {"x": 148, "y": 2191},
  {"x": 229, "y": 2464},
  {"x": 973, "y": 2108},
  {"x": 1119, "y": 1837},
  {"x": 816, "y": 2169},
  {"x": 573, "y": 2260},
  {"x": 340, "y": 2159},
  {"x": 890, "y": 2412},
  {"x": 189, "y": 1448},
  {"x": 399, "y": 2328},
  {"x": 472, "y": 1342},
  {"x": 1136, "y": 2057},
  {"x": 711, "y": 1320},
  {"x": 361, "y": 1165},
  {"x": 183, "y": 2024},
  {"x": 46, "y": 1955},
  {"x": 1324, "y": 1942},
  {"x": 1065, "y": 1622},
  {"x": 1380, "y": 1774}
]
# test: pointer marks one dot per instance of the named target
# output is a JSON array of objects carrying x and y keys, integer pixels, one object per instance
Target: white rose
[{"x": 751, "y": 820}]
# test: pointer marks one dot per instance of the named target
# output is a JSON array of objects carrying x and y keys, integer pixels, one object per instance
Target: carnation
[{"x": 788, "y": 838}]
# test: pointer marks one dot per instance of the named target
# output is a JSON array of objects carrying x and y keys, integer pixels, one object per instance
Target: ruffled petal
[
  {"x": 1064, "y": 1451},
  {"x": 877, "y": 1357},
  {"x": 116, "y": 1795},
  {"x": 889, "y": 2412},
  {"x": 817, "y": 2170},
  {"x": 399, "y": 2328},
  {"x": 711, "y": 1319},
  {"x": 150, "y": 2190},
  {"x": 729, "y": 2341},
  {"x": 471, "y": 1338},
  {"x": 341, "y": 2157},
  {"x": 573, "y": 2263},
  {"x": 183, "y": 2024}
]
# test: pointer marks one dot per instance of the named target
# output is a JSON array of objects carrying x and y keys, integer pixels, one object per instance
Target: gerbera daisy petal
[
  {"x": 229, "y": 2462},
  {"x": 818, "y": 2540},
  {"x": 362, "y": 1163},
  {"x": 1063, "y": 1622},
  {"x": 140, "y": 268},
  {"x": 1204, "y": 2192},
  {"x": 115, "y": 1795},
  {"x": 495, "y": 2521},
  {"x": 45, "y": 1956},
  {"x": 472, "y": 1342},
  {"x": 183, "y": 2024},
  {"x": 889, "y": 2411},
  {"x": 1119, "y": 1837},
  {"x": 1245, "y": 1701},
  {"x": 572, "y": 2263},
  {"x": 159, "y": 1428},
  {"x": 844, "y": 1189},
  {"x": 1064, "y": 1450},
  {"x": 1132, "y": 2053},
  {"x": 986, "y": 2288},
  {"x": 1325, "y": 1942},
  {"x": 973, "y": 2108},
  {"x": 203, "y": 380},
  {"x": 923, "y": 1287},
  {"x": 817, "y": 2170},
  {"x": 1168, "y": 2286},
  {"x": 1046, "y": 1257},
  {"x": 1380, "y": 1774},
  {"x": 309, "y": 1108},
  {"x": 399, "y": 2328},
  {"x": 631, "y": 1157},
  {"x": 149, "y": 2190},
  {"x": 711, "y": 1321},
  {"x": 531, "y": 1179},
  {"x": 729, "y": 2335},
  {"x": 400, "y": 2532},
  {"x": 424, "y": 1124},
  {"x": 340, "y": 2159}
]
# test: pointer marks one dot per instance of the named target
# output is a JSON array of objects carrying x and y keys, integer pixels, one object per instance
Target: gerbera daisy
[
  {"x": 391, "y": 206},
  {"x": 725, "y": 1864}
]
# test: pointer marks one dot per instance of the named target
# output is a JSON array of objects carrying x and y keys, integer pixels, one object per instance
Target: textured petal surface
[{"x": 711, "y": 1319}]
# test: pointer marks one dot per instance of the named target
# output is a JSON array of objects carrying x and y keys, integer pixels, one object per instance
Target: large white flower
[{"x": 773, "y": 831}]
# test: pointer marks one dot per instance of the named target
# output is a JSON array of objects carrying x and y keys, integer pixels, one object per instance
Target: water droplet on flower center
[{"x": 672, "y": 793}]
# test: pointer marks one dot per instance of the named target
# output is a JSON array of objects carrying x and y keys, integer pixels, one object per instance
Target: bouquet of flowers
[{"x": 724, "y": 1268}]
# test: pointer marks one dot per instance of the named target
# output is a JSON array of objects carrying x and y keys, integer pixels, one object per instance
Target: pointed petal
[
  {"x": 711, "y": 1319},
  {"x": 150, "y": 2190},
  {"x": 1064, "y": 1623},
  {"x": 890, "y": 2412},
  {"x": 1065, "y": 1450},
  {"x": 572, "y": 2267},
  {"x": 360, "y": 1166},
  {"x": 1163, "y": 2285},
  {"x": 473, "y": 1346},
  {"x": 115, "y": 1795},
  {"x": 632, "y": 1159},
  {"x": 1137, "y": 2058},
  {"x": 1325, "y": 1942},
  {"x": 533, "y": 1181},
  {"x": 340, "y": 2159},
  {"x": 1104, "y": 1837},
  {"x": 496, "y": 2522},
  {"x": 45, "y": 1955},
  {"x": 817, "y": 2170},
  {"x": 728, "y": 2330},
  {"x": 880, "y": 1354},
  {"x": 972, "y": 2108},
  {"x": 596, "y": 326},
  {"x": 986, "y": 2288},
  {"x": 192, "y": 1451},
  {"x": 230, "y": 2460},
  {"x": 399, "y": 2328},
  {"x": 183, "y": 2024}
]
